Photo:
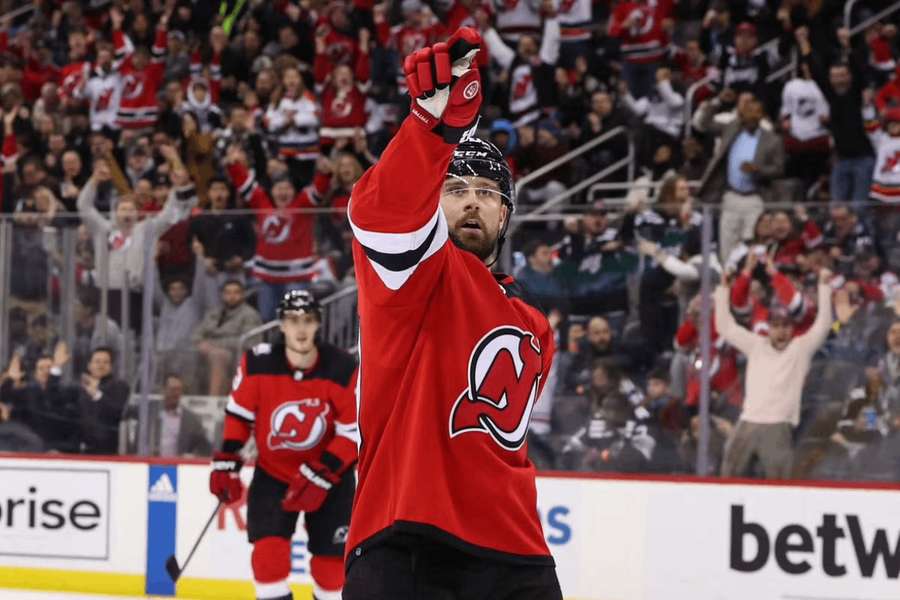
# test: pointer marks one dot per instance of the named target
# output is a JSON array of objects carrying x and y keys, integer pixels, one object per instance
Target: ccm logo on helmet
[
  {"x": 298, "y": 425},
  {"x": 505, "y": 371},
  {"x": 471, "y": 90}
]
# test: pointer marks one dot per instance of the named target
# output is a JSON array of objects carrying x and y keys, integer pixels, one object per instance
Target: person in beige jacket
[
  {"x": 777, "y": 366},
  {"x": 219, "y": 333}
]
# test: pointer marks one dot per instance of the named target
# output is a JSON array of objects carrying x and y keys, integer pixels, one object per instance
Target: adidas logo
[{"x": 162, "y": 490}]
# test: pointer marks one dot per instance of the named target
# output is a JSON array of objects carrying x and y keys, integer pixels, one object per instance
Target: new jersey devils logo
[
  {"x": 298, "y": 425},
  {"x": 275, "y": 229},
  {"x": 505, "y": 371}
]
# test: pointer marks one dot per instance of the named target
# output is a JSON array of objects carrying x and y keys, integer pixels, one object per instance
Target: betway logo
[{"x": 794, "y": 543}]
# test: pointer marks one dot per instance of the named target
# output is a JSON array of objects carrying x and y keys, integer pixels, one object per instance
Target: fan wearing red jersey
[
  {"x": 297, "y": 399},
  {"x": 452, "y": 360}
]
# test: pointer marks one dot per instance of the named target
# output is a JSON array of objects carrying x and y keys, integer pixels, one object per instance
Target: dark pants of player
[
  {"x": 433, "y": 571},
  {"x": 270, "y": 530}
]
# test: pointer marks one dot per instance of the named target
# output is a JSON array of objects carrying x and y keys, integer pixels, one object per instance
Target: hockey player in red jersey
[
  {"x": 297, "y": 399},
  {"x": 453, "y": 359}
]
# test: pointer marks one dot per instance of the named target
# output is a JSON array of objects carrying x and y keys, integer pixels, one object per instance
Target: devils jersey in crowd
[
  {"x": 452, "y": 363},
  {"x": 284, "y": 242},
  {"x": 295, "y": 415}
]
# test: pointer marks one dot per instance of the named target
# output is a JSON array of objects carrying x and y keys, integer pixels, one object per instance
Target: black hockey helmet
[
  {"x": 476, "y": 157},
  {"x": 299, "y": 301}
]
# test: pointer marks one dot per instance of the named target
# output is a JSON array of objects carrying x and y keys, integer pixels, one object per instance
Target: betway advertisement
[
  {"x": 630, "y": 540},
  {"x": 613, "y": 539}
]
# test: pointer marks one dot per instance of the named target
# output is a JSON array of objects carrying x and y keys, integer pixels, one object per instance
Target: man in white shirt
[
  {"x": 807, "y": 142},
  {"x": 776, "y": 369}
]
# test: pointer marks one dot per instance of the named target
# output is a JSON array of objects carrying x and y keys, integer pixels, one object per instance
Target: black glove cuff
[
  {"x": 232, "y": 446},
  {"x": 455, "y": 135},
  {"x": 331, "y": 461}
]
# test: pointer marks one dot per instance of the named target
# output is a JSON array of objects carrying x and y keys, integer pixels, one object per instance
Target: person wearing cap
[
  {"x": 777, "y": 366},
  {"x": 741, "y": 68},
  {"x": 739, "y": 176}
]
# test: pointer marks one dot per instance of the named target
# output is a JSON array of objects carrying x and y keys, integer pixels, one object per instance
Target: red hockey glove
[
  {"x": 309, "y": 487},
  {"x": 445, "y": 89},
  {"x": 225, "y": 479}
]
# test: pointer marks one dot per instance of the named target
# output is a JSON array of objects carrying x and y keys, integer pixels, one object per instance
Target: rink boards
[{"x": 107, "y": 526}]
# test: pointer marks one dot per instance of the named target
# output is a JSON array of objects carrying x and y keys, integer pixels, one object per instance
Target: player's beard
[{"x": 482, "y": 247}]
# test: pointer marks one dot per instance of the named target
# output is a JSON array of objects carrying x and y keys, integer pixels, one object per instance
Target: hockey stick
[{"x": 172, "y": 563}]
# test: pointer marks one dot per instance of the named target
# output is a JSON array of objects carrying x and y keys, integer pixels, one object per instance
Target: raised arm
[
  {"x": 821, "y": 327},
  {"x": 394, "y": 210},
  {"x": 500, "y": 52},
  {"x": 550, "y": 42},
  {"x": 88, "y": 212},
  {"x": 739, "y": 337}
]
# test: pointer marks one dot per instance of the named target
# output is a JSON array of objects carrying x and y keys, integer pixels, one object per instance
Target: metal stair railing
[{"x": 568, "y": 156}]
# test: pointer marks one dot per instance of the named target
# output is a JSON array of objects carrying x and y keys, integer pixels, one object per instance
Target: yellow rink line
[{"x": 120, "y": 584}]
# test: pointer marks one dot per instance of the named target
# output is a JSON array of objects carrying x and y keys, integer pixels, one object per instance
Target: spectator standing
[
  {"x": 742, "y": 69},
  {"x": 124, "y": 237},
  {"x": 531, "y": 69},
  {"x": 843, "y": 86},
  {"x": 662, "y": 112},
  {"x": 638, "y": 25},
  {"x": 776, "y": 369},
  {"x": 142, "y": 74},
  {"x": 804, "y": 116},
  {"x": 101, "y": 86},
  {"x": 668, "y": 228},
  {"x": 740, "y": 174},
  {"x": 285, "y": 243},
  {"x": 223, "y": 243},
  {"x": 293, "y": 125},
  {"x": 218, "y": 334}
]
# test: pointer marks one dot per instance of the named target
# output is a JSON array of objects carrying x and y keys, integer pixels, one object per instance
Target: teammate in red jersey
[
  {"x": 297, "y": 399},
  {"x": 453, "y": 359}
]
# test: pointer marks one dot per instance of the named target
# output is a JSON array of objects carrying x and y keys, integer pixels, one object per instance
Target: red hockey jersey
[
  {"x": 643, "y": 42},
  {"x": 452, "y": 361},
  {"x": 138, "y": 106},
  {"x": 285, "y": 249},
  {"x": 295, "y": 415}
]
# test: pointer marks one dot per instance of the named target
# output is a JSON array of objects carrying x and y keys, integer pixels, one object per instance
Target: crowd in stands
[{"x": 220, "y": 142}]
